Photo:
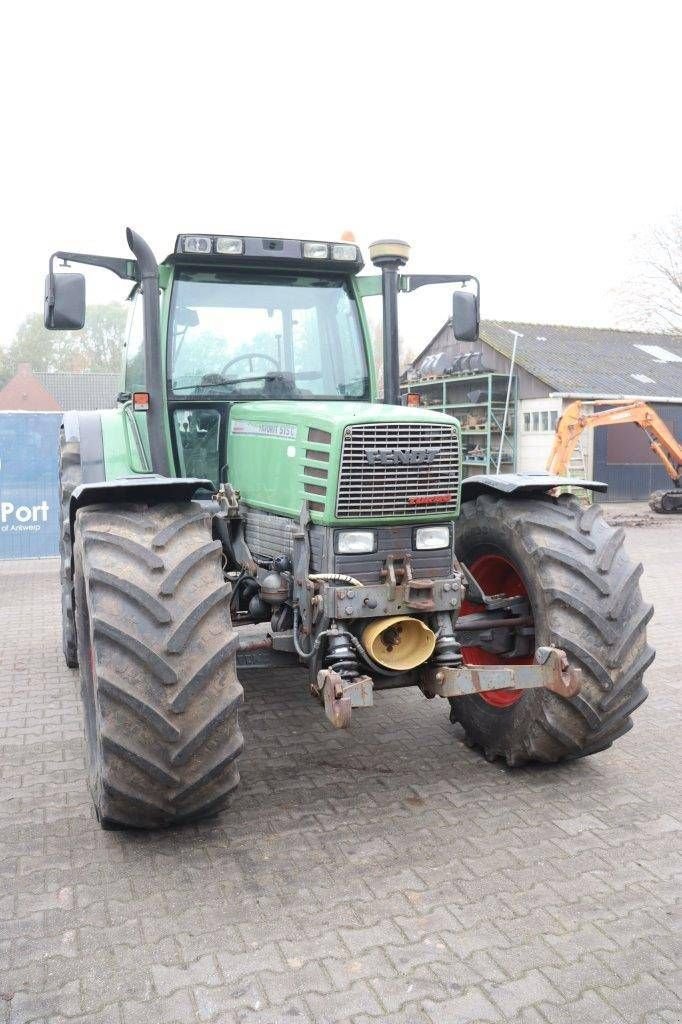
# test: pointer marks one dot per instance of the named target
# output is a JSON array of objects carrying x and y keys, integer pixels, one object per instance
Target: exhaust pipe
[
  {"x": 153, "y": 361},
  {"x": 389, "y": 255},
  {"x": 399, "y": 642}
]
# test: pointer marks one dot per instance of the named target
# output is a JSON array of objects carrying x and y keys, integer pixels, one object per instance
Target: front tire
[
  {"x": 585, "y": 598},
  {"x": 157, "y": 655}
]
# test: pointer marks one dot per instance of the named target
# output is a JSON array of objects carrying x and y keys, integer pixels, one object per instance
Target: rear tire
[
  {"x": 585, "y": 598},
  {"x": 157, "y": 654},
  {"x": 70, "y": 476}
]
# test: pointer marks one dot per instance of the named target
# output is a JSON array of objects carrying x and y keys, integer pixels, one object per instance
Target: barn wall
[
  {"x": 624, "y": 461},
  {"x": 534, "y": 446}
]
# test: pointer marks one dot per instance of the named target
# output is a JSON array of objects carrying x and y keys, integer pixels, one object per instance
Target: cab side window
[{"x": 197, "y": 433}]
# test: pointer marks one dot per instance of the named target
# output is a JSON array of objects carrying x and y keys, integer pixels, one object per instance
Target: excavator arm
[{"x": 574, "y": 420}]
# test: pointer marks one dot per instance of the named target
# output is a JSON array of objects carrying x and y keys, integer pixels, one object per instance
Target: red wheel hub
[{"x": 495, "y": 575}]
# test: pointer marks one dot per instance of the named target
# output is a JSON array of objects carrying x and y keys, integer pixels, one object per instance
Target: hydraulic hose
[
  {"x": 336, "y": 577},
  {"x": 307, "y": 655}
]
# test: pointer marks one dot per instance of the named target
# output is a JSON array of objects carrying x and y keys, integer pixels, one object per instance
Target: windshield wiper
[{"x": 281, "y": 376}]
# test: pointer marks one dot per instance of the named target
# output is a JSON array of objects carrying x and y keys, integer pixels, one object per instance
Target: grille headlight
[
  {"x": 355, "y": 542},
  {"x": 430, "y": 538}
]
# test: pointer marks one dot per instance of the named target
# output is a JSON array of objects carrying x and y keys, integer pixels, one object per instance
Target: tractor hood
[{"x": 353, "y": 462}]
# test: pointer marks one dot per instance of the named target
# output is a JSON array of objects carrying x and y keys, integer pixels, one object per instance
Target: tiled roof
[
  {"x": 592, "y": 360},
  {"x": 82, "y": 391}
]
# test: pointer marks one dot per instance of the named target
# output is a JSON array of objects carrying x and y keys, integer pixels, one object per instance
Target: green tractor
[{"x": 251, "y": 503}]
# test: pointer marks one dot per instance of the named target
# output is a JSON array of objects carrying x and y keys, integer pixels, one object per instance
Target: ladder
[{"x": 577, "y": 466}]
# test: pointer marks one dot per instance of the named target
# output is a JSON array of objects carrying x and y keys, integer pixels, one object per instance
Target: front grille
[{"x": 369, "y": 488}]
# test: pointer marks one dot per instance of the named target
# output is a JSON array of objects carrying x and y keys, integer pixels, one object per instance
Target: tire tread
[
  {"x": 593, "y": 609},
  {"x": 165, "y": 695}
]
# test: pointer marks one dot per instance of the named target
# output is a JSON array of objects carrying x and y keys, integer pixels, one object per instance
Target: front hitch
[
  {"x": 550, "y": 670},
  {"x": 339, "y": 696}
]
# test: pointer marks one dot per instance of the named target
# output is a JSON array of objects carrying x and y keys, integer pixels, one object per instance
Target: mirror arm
[
  {"x": 127, "y": 269},
  {"x": 410, "y": 282}
]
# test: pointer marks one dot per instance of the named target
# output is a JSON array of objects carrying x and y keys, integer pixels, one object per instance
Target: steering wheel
[{"x": 251, "y": 356}]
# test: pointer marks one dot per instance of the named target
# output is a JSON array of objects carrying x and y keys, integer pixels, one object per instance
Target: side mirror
[
  {"x": 465, "y": 315},
  {"x": 64, "y": 302}
]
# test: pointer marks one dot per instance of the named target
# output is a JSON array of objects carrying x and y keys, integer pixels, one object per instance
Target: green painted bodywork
[
  {"x": 267, "y": 441},
  {"x": 116, "y": 458},
  {"x": 124, "y": 442},
  {"x": 269, "y": 469}
]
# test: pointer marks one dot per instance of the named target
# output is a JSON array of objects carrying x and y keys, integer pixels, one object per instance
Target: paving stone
[
  {"x": 372, "y": 963},
  {"x": 396, "y": 993},
  {"x": 582, "y": 823},
  {"x": 411, "y": 1015},
  {"x": 301, "y": 951},
  {"x": 230, "y": 999},
  {"x": 426, "y": 951},
  {"x": 279, "y": 987},
  {"x": 471, "y": 1006},
  {"x": 525, "y": 991},
  {"x": 201, "y": 972},
  {"x": 644, "y": 995},
  {"x": 173, "y": 1010},
  {"x": 236, "y": 966},
  {"x": 416, "y": 928},
  {"x": 573, "y": 979},
  {"x": 585, "y": 939},
  {"x": 356, "y": 999},
  {"x": 516, "y": 960},
  {"x": 349, "y": 866},
  {"x": 28, "y": 1006},
  {"x": 360, "y": 939},
  {"x": 291, "y": 1012},
  {"x": 107, "y": 1015},
  {"x": 587, "y": 1009}
]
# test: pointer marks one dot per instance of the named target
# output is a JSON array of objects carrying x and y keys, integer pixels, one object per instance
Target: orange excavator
[{"x": 661, "y": 441}]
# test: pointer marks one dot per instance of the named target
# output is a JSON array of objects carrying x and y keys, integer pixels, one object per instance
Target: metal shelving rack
[{"x": 477, "y": 400}]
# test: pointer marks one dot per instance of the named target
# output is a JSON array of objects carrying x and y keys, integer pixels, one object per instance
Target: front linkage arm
[{"x": 551, "y": 670}]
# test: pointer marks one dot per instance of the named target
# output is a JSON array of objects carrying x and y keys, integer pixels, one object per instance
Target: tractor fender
[
  {"x": 143, "y": 488},
  {"x": 516, "y": 485}
]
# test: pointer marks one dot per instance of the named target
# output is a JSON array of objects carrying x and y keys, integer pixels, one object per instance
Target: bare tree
[{"x": 651, "y": 299}]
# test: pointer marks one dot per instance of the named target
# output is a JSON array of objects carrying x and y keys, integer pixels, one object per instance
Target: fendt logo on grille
[{"x": 401, "y": 456}]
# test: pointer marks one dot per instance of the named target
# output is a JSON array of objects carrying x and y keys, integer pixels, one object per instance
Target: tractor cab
[{"x": 254, "y": 320}]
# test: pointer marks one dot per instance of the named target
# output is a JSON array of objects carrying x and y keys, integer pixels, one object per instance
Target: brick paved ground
[{"x": 389, "y": 874}]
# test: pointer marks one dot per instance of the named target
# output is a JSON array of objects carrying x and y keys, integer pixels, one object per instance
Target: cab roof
[{"x": 257, "y": 251}]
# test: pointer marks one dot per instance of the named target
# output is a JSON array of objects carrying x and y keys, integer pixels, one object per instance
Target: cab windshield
[{"x": 240, "y": 335}]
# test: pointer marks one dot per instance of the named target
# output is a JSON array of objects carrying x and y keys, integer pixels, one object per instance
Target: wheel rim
[{"x": 495, "y": 575}]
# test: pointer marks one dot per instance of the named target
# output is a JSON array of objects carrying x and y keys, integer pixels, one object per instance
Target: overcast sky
[{"x": 522, "y": 142}]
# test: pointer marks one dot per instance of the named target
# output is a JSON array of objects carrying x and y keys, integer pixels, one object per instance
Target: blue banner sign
[{"x": 29, "y": 485}]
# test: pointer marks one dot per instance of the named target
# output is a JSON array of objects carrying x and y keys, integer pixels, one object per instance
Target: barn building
[
  {"x": 553, "y": 365},
  {"x": 29, "y": 391}
]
